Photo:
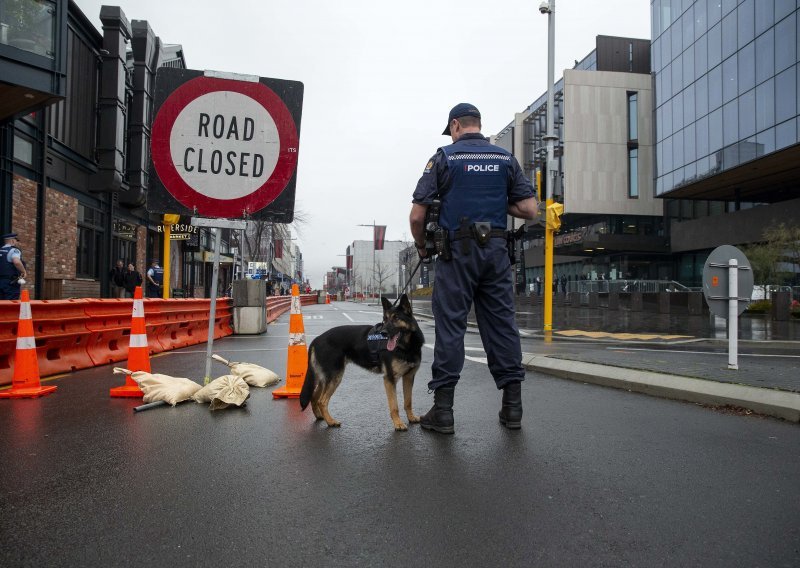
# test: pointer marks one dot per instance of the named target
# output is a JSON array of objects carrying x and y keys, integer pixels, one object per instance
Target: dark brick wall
[{"x": 23, "y": 222}]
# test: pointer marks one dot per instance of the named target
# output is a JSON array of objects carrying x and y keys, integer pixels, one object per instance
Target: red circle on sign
[{"x": 186, "y": 194}]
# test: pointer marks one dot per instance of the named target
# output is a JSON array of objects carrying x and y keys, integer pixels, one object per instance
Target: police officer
[
  {"x": 155, "y": 280},
  {"x": 478, "y": 184},
  {"x": 11, "y": 268}
]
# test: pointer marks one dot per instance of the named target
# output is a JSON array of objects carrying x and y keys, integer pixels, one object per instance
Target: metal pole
[
  {"x": 733, "y": 314},
  {"x": 213, "y": 314},
  {"x": 552, "y": 171}
]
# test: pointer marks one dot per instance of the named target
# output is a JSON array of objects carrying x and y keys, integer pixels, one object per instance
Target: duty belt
[{"x": 479, "y": 231}]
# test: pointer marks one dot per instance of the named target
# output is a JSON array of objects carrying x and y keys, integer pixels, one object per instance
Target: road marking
[
  {"x": 477, "y": 359},
  {"x": 348, "y": 317},
  {"x": 599, "y": 334},
  {"x": 701, "y": 352}
]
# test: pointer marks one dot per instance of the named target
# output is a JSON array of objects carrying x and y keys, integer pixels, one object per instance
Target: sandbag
[
  {"x": 157, "y": 387},
  {"x": 254, "y": 375},
  {"x": 224, "y": 391}
]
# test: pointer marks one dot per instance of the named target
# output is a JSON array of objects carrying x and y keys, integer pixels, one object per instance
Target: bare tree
[
  {"x": 382, "y": 274},
  {"x": 259, "y": 236}
]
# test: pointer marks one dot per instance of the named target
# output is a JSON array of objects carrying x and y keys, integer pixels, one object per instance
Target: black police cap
[{"x": 461, "y": 109}]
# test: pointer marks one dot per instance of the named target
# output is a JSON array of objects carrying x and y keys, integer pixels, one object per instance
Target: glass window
[
  {"x": 677, "y": 43},
  {"x": 783, "y": 8},
  {"x": 668, "y": 163},
  {"x": 677, "y": 75},
  {"x": 786, "y": 95},
  {"x": 656, "y": 51},
  {"x": 715, "y": 88},
  {"x": 701, "y": 135},
  {"x": 633, "y": 117},
  {"x": 30, "y": 26},
  {"x": 729, "y": 34},
  {"x": 701, "y": 96},
  {"x": 714, "y": 11},
  {"x": 688, "y": 104},
  {"x": 700, "y": 20},
  {"x": 701, "y": 57},
  {"x": 766, "y": 141},
  {"x": 689, "y": 154},
  {"x": 687, "y": 24},
  {"x": 728, "y": 5},
  {"x": 677, "y": 150},
  {"x": 688, "y": 66},
  {"x": 786, "y": 134},
  {"x": 730, "y": 72},
  {"x": 633, "y": 173},
  {"x": 666, "y": 83},
  {"x": 745, "y": 19},
  {"x": 785, "y": 44},
  {"x": 765, "y": 55},
  {"x": 715, "y": 131},
  {"x": 702, "y": 166},
  {"x": 765, "y": 15},
  {"x": 666, "y": 48},
  {"x": 730, "y": 123},
  {"x": 747, "y": 114},
  {"x": 23, "y": 150},
  {"x": 666, "y": 14},
  {"x": 747, "y": 67},
  {"x": 666, "y": 125},
  {"x": 715, "y": 46},
  {"x": 677, "y": 112},
  {"x": 765, "y": 109}
]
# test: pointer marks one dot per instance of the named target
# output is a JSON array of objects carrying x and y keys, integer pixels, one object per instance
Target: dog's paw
[
  {"x": 334, "y": 424},
  {"x": 414, "y": 419},
  {"x": 400, "y": 427}
]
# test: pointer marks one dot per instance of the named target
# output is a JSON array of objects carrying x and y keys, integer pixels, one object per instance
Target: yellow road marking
[
  {"x": 51, "y": 378},
  {"x": 603, "y": 334}
]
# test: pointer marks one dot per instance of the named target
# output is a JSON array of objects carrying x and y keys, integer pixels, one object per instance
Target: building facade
[
  {"x": 727, "y": 88},
  {"x": 613, "y": 226},
  {"x": 75, "y": 118}
]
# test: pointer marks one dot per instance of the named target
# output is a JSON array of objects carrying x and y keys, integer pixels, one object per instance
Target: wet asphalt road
[{"x": 596, "y": 477}]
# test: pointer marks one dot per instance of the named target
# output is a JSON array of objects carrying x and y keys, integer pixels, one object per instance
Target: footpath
[{"x": 650, "y": 355}]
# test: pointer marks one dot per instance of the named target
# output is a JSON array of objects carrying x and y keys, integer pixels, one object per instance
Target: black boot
[
  {"x": 440, "y": 417},
  {"x": 511, "y": 411}
]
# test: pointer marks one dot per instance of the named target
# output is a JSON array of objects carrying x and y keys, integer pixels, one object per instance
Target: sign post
[
  {"x": 223, "y": 147},
  {"x": 727, "y": 287},
  {"x": 218, "y": 225}
]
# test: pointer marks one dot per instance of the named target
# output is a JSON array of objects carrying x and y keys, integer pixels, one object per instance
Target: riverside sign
[{"x": 224, "y": 145}]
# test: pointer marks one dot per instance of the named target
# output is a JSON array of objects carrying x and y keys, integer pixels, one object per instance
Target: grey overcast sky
[{"x": 380, "y": 78}]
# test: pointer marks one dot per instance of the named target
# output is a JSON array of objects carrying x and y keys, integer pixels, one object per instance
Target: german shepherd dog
[{"x": 330, "y": 353}]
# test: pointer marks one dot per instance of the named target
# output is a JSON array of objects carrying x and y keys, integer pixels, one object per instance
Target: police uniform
[
  {"x": 475, "y": 182},
  {"x": 157, "y": 274},
  {"x": 9, "y": 287}
]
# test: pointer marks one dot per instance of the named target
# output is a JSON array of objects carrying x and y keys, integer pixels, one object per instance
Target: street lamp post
[{"x": 549, "y": 7}]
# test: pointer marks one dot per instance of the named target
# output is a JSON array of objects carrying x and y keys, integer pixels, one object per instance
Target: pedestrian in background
[
  {"x": 117, "y": 279},
  {"x": 12, "y": 268},
  {"x": 155, "y": 280},
  {"x": 478, "y": 185},
  {"x": 131, "y": 279}
]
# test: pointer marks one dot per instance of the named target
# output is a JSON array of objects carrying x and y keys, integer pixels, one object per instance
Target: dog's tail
[{"x": 309, "y": 383}]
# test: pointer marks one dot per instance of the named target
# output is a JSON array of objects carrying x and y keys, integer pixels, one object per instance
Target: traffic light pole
[{"x": 552, "y": 170}]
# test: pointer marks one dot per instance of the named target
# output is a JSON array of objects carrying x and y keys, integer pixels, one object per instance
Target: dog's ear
[
  {"x": 405, "y": 305},
  {"x": 386, "y": 304}
]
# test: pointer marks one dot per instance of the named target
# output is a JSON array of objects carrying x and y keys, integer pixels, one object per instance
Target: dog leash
[{"x": 413, "y": 272}]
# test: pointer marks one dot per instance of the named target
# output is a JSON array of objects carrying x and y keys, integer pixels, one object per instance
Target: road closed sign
[{"x": 224, "y": 145}]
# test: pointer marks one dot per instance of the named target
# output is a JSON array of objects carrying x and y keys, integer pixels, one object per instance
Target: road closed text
[{"x": 224, "y": 162}]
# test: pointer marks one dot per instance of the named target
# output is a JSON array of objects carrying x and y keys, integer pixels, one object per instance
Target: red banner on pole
[
  {"x": 349, "y": 262},
  {"x": 278, "y": 248},
  {"x": 380, "y": 234}
]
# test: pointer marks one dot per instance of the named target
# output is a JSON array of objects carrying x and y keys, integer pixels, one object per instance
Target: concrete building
[
  {"x": 374, "y": 272},
  {"x": 612, "y": 225}
]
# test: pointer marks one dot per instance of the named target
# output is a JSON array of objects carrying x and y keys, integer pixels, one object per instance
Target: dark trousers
[
  {"x": 9, "y": 289},
  {"x": 484, "y": 277}
]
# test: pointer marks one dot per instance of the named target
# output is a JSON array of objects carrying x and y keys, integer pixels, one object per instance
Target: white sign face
[{"x": 224, "y": 145}]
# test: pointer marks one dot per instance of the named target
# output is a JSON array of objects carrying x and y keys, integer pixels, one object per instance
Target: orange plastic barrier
[
  {"x": 297, "y": 359},
  {"x": 26, "y": 382},
  {"x": 77, "y": 334}
]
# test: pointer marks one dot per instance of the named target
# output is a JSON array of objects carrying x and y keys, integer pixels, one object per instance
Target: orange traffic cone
[
  {"x": 138, "y": 353},
  {"x": 26, "y": 383},
  {"x": 327, "y": 298},
  {"x": 297, "y": 361}
]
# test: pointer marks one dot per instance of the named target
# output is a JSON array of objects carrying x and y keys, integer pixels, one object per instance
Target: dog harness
[{"x": 377, "y": 341}]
